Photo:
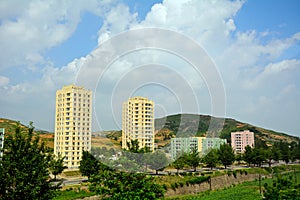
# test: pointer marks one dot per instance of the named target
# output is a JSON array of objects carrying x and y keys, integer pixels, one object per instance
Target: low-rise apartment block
[
  {"x": 179, "y": 146},
  {"x": 241, "y": 139},
  {"x": 212, "y": 143}
]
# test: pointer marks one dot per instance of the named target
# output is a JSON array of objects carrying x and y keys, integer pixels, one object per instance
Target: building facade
[
  {"x": 241, "y": 139},
  {"x": 73, "y": 124},
  {"x": 178, "y": 146},
  {"x": 2, "y": 130},
  {"x": 138, "y": 122},
  {"x": 212, "y": 143}
]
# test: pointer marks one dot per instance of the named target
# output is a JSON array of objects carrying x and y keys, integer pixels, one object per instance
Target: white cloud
[
  {"x": 274, "y": 75},
  {"x": 3, "y": 81},
  {"x": 28, "y": 28},
  {"x": 257, "y": 78}
]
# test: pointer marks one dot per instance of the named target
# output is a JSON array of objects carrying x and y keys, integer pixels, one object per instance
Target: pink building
[{"x": 241, "y": 139}]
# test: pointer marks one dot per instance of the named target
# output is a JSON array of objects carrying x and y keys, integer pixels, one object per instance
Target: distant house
[
  {"x": 241, "y": 139},
  {"x": 185, "y": 145},
  {"x": 212, "y": 143},
  {"x": 1, "y": 140}
]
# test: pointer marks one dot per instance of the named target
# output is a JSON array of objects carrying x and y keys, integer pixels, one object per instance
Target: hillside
[
  {"x": 197, "y": 125},
  {"x": 10, "y": 126},
  {"x": 180, "y": 125}
]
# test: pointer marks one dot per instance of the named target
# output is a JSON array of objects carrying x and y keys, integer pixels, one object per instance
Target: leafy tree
[
  {"x": 295, "y": 150},
  {"x": 121, "y": 185},
  {"x": 258, "y": 156},
  {"x": 158, "y": 161},
  {"x": 125, "y": 164},
  {"x": 137, "y": 155},
  {"x": 211, "y": 159},
  {"x": 89, "y": 165},
  {"x": 179, "y": 163},
  {"x": 285, "y": 151},
  {"x": 57, "y": 165},
  {"x": 193, "y": 159},
  {"x": 24, "y": 168},
  {"x": 133, "y": 146},
  {"x": 226, "y": 155},
  {"x": 248, "y": 155},
  {"x": 272, "y": 153}
]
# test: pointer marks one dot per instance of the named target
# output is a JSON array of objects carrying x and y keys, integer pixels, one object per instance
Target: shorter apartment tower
[
  {"x": 185, "y": 145},
  {"x": 1, "y": 140},
  {"x": 212, "y": 143},
  {"x": 241, "y": 139},
  {"x": 138, "y": 122},
  {"x": 73, "y": 124}
]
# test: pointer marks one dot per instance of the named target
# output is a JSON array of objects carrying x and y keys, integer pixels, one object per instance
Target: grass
[
  {"x": 245, "y": 191},
  {"x": 72, "y": 194}
]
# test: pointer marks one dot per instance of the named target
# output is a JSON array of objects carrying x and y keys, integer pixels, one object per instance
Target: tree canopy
[
  {"x": 24, "y": 168},
  {"x": 122, "y": 185},
  {"x": 89, "y": 165},
  {"x": 211, "y": 158},
  {"x": 226, "y": 155}
]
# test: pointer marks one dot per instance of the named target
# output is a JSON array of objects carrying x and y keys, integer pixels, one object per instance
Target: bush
[
  {"x": 174, "y": 186},
  {"x": 234, "y": 174},
  {"x": 198, "y": 180}
]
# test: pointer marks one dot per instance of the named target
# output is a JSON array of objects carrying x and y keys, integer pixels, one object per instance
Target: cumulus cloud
[
  {"x": 257, "y": 76},
  {"x": 28, "y": 28}
]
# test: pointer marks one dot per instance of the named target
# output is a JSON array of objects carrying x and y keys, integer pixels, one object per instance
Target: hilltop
[{"x": 198, "y": 125}]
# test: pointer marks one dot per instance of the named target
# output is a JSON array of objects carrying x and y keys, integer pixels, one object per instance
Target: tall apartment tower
[
  {"x": 241, "y": 139},
  {"x": 73, "y": 124},
  {"x": 138, "y": 122}
]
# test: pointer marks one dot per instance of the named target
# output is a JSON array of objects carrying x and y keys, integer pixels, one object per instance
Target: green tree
[
  {"x": 158, "y": 161},
  {"x": 285, "y": 151},
  {"x": 211, "y": 159},
  {"x": 258, "y": 156},
  {"x": 248, "y": 155},
  {"x": 226, "y": 155},
  {"x": 179, "y": 163},
  {"x": 24, "y": 168},
  {"x": 192, "y": 158},
  {"x": 89, "y": 165},
  {"x": 272, "y": 153},
  {"x": 133, "y": 146},
  {"x": 122, "y": 185},
  {"x": 57, "y": 165}
]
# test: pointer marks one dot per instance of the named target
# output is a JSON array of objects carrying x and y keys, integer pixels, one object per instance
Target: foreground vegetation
[{"x": 27, "y": 164}]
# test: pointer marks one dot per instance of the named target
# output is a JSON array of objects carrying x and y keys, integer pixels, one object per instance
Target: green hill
[
  {"x": 198, "y": 125},
  {"x": 10, "y": 126}
]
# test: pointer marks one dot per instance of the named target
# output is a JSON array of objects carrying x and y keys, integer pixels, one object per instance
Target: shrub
[{"x": 234, "y": 174}]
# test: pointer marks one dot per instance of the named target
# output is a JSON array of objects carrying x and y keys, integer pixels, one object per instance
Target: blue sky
[{"x": 254, "y": 46}]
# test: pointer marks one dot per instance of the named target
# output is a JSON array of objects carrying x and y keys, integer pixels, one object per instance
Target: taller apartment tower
[
  {"x": 73, "y": 124},
  {"x": 138, "y": 122}
]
